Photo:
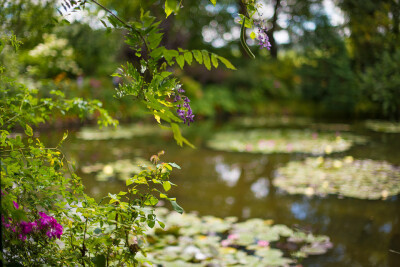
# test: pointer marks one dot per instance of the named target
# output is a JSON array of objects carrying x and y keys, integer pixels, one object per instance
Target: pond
[{"x": 364, "y": 232}]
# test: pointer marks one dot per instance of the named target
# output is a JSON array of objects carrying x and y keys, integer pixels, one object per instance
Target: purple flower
[
  {"x": 27, "y": 227},
  {"x": 52, "y": 227},
  {"x": 263, "y": 39},
  {"x": 184, "y": 110},
  {"x": 16, "y": 206}
]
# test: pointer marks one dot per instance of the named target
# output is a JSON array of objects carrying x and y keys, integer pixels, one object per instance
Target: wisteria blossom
[
  {"x": 184, "y": 110},
  {"x": 262, "y": 36}
]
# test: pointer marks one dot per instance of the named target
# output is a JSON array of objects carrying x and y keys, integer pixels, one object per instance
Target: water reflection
[{"x": 239, "y": 184}]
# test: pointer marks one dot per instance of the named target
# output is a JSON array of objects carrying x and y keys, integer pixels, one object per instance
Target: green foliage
[
  {"x": 381, "y": 83},
  {"x": 326, "y": 76}
]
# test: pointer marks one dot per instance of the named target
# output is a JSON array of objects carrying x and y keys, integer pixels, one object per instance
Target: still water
[{"x": 364, "y": 232}]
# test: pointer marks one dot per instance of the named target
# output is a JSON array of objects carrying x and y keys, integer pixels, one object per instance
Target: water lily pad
[
  {"x": 271, "y": 121},
  {"x": 121, "y": 132},
  {"x": 383, "y": 126},
  {"x": 283, "y": 141},
  {"x": 230, "y": 243},
  {"x": 121, "y": 169},
  {"x": 365, "y": 179}
]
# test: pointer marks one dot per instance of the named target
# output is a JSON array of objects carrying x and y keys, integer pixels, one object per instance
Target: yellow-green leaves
[
  {"x": 206, "y": 59},
  {"x": 214, "y": 2},
  {"x": 171, "y": 6},
  {"x": 227, "y": 63},
  {"x": 214, "y": 60},
  {"x": 167, "y": 185},
  {"x": 180, "y": 60},
  {"x": 188, "y": 57},
  {"x": 28, "y": 130},
  {"x": 198, "y": 56}
]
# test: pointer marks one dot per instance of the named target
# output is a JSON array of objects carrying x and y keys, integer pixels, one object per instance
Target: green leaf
[
  {"x": 167, "y": 185},
  {"x": 170, "y": 6},
  {"x": 227, "y": 63},
  {"x": 252, "y": 35},
  {"x": 198, "y": 56},
  {"x": 176, "y": 207},
  {"x": 214, "y": 60},
  {"x": 151, "y": 223},
  {"x": 162, "y": 225},
  {"x": 178, "y": 136},
  {"x": 214, "y": 2},
  {"x": 151, "y": 201},
  {"x": 28, "y": 130},
  {"x": 206, "y": 59},
  {"x": 169, "y": 54},
  {"x": 181, "y": 61},
  {"x": 188, "y": 57}
]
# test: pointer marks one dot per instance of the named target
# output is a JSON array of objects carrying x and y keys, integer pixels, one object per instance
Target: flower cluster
[
  {"x": 46, "y": 224},
  {"x": 184, "y": 110},
  {"x": 263, "y": 39}
]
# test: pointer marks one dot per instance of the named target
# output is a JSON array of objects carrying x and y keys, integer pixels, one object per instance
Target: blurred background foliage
[{"x": 336, "y": 58}]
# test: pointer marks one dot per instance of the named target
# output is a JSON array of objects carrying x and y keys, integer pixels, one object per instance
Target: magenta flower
[
  {"x": 16, "y": 206},
  {"x": 52, "y": 227},
  {"x": 27, "y": 227}
]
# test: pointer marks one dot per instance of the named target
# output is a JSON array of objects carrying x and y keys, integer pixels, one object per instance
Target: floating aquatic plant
[
  {"x": 191, "y": 240},
  {"x": 121, "y": 169},
  {"x": 271, "y": 121},
  {"x": 365, "y": 179},
  {"x": 283, "y": 141},
  {"x": 122, "y": 132},
  {"x": 383, "y": 126}
]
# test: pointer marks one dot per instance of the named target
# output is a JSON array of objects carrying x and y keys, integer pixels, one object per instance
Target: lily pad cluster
[
  {"x": 363, "y": 179},
  {"x": 121, "y": 169},
  {"x": 191, "y": 240},
  {"x": 272, "y": 121},
  {"x": 122, "y": 132},
  {"x": 283, "y": 141},
  {"x": 383, "y": 126}
]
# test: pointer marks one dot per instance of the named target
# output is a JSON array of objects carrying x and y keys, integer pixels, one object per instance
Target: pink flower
[
  {"x": 263, "y": 243},
  {"x": 16, "y": 206},
  {"x": 225, "y": 243},
  {"x": 233, "y": 236}
]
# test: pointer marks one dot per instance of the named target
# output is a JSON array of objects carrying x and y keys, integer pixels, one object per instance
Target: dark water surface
[{"x": 240, "y": 184}]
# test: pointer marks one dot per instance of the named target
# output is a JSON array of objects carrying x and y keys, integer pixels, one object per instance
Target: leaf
[
  {"x": 214, "y": 2},
  {"x": 198, "y": 56},
  {"x": 176, "y": 207},
  {"x": 167, "y": 185},
  {"x": 170, "y": 6},
  {"x": 162, "y": 225},
  {"x": 214, "y": 60},
  {"x": 169, "y": 54},
  {"x": 188, "y": 57},
  {"x": 174, "y": 165},
  {"x": 151, "y": 223},
  {"x": 252, "y": 35},
  {"x": 206, "y": 59},
  {"x": 178, "y": 136},
  {"x": 28, "y": 130},
  {"x": 151, "y": 201},
  {"x": 227, "y": 63},
  {"x": 181, "y": 61}
]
